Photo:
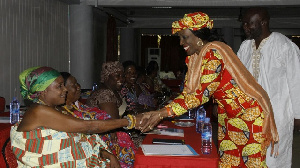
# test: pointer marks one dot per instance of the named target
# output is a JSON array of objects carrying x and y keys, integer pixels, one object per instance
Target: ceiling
[{"x": 144, "y": 14}]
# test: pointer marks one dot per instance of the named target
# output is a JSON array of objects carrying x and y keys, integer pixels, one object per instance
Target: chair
[
  {"x": 9, "y": 157},
  {"x": 2, "y": 104}
]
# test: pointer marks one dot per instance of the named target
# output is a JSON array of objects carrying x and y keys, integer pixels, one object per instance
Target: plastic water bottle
[
  {"x": 95, "y": 87},
  {"x": 206, "y": 137},
  {"x": 14, "y": 111},
  {"x": 200, "y": 117}
]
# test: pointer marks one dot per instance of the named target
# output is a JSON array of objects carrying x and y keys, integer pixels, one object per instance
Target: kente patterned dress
[
  {"x": 44, "y": 147},
  {"x": 124, "y": 148},
  {"x": 240, "y": 117}
]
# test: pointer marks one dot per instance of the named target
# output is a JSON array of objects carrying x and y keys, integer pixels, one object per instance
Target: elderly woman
[
  {"x": 45, "y": 137},
  {"x": 123, "y": 148},
  {"x": 108, "y": 97},
  {"x": 245, "y": 116}
]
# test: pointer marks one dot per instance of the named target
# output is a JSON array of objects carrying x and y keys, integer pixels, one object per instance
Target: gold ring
[{"x": 160, "y": 117}]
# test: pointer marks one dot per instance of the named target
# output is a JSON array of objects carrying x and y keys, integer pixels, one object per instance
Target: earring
[{"x": 200, "y": 43}]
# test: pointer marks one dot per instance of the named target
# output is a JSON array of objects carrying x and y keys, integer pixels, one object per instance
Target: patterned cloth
[
  {"x": 36, "y": 79},
  {"x": 240, "y": 117},
  {"x": 193, "y": 21},
  {"x": 44, "y": 147},
  {"x": 103, "y": 96},
  {"x": 124, "y": 149},
  {"x": 132, "y": 100}
]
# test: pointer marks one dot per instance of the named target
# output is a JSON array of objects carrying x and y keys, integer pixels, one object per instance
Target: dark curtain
[
  {"x": 172, "y": 54},
  {"x": 112, "y": 40}
]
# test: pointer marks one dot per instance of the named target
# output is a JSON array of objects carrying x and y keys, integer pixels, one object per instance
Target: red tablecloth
[
  {"x": 192, "y": 138},
  {"x": 4, "y": 134}
]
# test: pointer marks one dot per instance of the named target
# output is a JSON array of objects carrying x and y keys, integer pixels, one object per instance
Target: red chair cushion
[{"x": 8, "y": 155}]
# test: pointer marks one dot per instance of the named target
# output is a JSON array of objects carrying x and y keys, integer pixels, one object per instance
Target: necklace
[{"x": 256, "y": 55}]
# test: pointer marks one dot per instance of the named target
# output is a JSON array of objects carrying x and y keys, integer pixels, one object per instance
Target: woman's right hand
[{"x": 114, "y": 162}]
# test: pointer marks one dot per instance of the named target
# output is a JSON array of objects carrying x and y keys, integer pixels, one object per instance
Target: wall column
[
  {"x": 228, "y": 33},
  {"x": 127, "y": 45},
  {"x": 81, "y": 44}
]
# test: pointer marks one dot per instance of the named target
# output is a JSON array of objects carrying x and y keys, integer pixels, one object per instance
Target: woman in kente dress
[
  {"x": 47, "y": 138},
  {"x": 246, "y": 124}
]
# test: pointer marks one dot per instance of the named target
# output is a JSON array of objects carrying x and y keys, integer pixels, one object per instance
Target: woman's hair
[
  {"x": 65, "y": 75},
  {"x": 109, "y": 68},
  {"x": 207, "y": 35},
  {"x": 126, "y": 64},
  {"x": 152, "y": 66}
]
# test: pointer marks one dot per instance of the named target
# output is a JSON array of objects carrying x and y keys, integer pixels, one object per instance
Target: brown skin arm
[
  {"x": 44, "y": 116},
  {"x": 111, "y": 109}
]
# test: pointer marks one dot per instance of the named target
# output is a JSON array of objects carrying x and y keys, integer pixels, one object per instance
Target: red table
[
  {"x": 192, "y": 138},
  {"x": 4, "y": 134}
]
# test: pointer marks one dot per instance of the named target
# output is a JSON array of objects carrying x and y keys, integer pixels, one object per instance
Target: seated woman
[
  {"x": 137, "y": 97},
  {"x": 108, "y": 97},
  {"x": 123, "y": 148},
  {"x": 46, "y": 137}
]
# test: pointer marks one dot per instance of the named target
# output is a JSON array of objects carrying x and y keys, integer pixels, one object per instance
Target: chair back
[
  {"x": 8, "y": 155},
  {"x": 2, "y": 104}
]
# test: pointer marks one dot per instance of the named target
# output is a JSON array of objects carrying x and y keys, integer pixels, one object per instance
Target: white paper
[
  {"x": 168, "y": 150},
  {"x": 4, "y": 120}
]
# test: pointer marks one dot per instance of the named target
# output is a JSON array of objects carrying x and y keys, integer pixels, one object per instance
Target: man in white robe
[{"x": 274, "y": 60}]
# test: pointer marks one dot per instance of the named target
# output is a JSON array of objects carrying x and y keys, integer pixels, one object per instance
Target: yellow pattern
[
  {"x": 258, "y": 121},
  {"x": 212, "y": 65},
  {"x": 209, "y": 78},
  {"x": 251, "y": 114},
  {"x": 227, "y": 145},
  {"x": 230, "y": 160},
  {"x": 239, "y": 123},
  {"x": 221, "y": 134},
  {"x": 251, "y": 149},
  {"x": 221, "y": 119},
  {"x": 238, "y": 138}
]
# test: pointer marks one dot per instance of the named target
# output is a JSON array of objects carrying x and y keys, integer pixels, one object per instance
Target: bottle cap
[{"x": 207, "y": 120}]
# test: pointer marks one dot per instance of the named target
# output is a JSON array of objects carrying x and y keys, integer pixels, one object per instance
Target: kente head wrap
[
  {"x": 193, "y": 21},
  {"x": 110, "y": 68},
  {"x": 36, "y": 79}
]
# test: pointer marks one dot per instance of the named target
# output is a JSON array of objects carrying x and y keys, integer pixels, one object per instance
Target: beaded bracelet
[{"x": 131, "y": 121}]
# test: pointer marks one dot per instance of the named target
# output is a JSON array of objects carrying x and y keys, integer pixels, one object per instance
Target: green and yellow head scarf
[{"x": 36, "y": 79}]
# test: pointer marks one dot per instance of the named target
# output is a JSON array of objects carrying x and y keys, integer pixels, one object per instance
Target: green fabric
[{"x": 35, "y": 80}]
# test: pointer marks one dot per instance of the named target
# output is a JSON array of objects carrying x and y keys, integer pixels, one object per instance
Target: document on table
[
  {"x": 4, "y": 120},
  {"x": 169, "y": 150}
]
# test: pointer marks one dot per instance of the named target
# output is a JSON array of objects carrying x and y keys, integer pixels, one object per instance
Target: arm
[
  {"x": 211, "y": 68},
  {"x": 293, "y": 77},
  {"x": 209, "y": 81},
  {"x": 111, "y": 109},
  {"x": 44, "y": 116}
]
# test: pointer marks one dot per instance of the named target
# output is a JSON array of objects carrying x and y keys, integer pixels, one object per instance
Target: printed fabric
[
  {"x": 123, "y": 148},
  {"x": 44, "y": 147},
  {"x": 240, "y": 117}
]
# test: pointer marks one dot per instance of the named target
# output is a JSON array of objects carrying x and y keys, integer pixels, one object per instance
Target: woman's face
[
  {"x": 116, "y": 80},
  {"x": 73, "y": 88},
  {"x": 130, "y": 75},
  {"x": 189, "y": 41},
  {"x": 55, "y": 93}
]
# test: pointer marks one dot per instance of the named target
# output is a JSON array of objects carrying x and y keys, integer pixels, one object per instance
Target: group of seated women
[{"x": 58, "y": 130}]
